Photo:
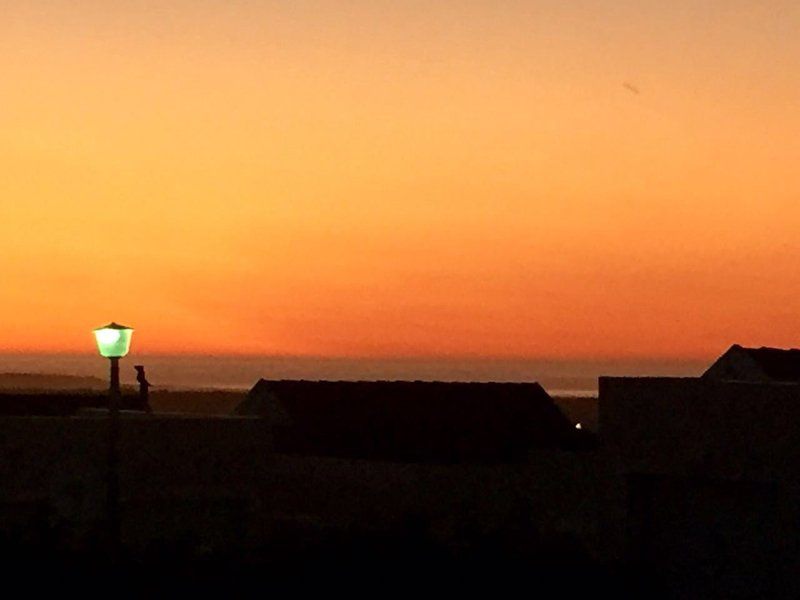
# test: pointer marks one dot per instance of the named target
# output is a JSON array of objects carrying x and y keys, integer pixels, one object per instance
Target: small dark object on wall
[{"x": 144, "y": 389}]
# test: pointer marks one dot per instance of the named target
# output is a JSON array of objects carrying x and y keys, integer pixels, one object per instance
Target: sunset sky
[{"x": 614, "y": 178}]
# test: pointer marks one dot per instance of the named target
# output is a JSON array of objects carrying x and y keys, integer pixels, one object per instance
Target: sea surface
[{"x": 559, "y": 377}]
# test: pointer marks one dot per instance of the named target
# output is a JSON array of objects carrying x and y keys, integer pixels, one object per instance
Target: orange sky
[{"x": 401, "y": 178}]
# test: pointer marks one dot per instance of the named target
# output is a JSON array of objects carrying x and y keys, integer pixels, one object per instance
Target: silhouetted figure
[{"x": 144, "y": 389}]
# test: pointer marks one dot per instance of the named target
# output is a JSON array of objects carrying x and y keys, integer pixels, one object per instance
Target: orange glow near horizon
[{"x": 375, "y": 178}]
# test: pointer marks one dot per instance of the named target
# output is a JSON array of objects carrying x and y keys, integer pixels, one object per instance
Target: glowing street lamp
[{"x": 113, "y": 342}]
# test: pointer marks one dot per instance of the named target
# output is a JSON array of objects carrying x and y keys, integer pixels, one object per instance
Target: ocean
[{"x": 559, "y": 377}]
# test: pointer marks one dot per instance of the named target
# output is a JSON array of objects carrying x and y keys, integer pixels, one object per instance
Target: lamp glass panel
[{"x": 113, "y": 343}]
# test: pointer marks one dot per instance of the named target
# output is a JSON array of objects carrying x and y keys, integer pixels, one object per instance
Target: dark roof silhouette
[
  {"x": 411, "y": 421},
  {"x": 780, "y": 365},
  {"x": 757, "y": 364}
]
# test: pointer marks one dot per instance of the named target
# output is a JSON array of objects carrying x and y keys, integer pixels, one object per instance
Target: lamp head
[{"x": 113, "y": 340}]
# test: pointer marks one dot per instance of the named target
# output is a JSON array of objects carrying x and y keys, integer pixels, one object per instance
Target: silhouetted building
[
  {"x": 757, "y": 365},
  {"x": 412, "y": 421},
  {"x": 711, "y": 480}
]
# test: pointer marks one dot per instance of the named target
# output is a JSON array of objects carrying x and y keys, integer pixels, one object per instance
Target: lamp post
[{"x": 113, "y": 342}]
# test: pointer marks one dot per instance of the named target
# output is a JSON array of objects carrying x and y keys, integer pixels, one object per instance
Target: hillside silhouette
[{"x": 50, "y": 381}]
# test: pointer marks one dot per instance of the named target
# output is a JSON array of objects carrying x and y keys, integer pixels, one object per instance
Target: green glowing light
[{"x": 113, "y": 340}]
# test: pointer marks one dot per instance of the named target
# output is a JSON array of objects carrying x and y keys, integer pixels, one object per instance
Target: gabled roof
[
  {"x": 776, "y": 363},
  {"x": 411, "y": 421},
  {"x": 763, "y": 365}
]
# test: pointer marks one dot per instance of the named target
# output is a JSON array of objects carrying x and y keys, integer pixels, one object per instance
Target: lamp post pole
[
  {"x": 112, "y": 491},
  {"x": 113, "y": 342},
  {"x": 113, "y": 389}
]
